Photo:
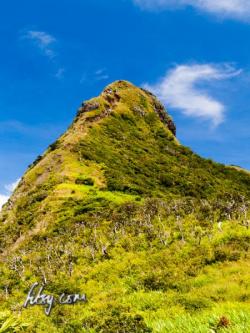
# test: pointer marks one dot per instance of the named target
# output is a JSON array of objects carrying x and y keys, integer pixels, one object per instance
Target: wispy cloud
[
  {"x": 101, "y": 74},
  {"x": 43, "y": 41},
  {"x": 38, "y": 131},
  {"x": 178, "y": 89},
  {"x": 235, "y": 9},
  {"x": 9, "y": 188},
  {"x": 60, "y": 73}
]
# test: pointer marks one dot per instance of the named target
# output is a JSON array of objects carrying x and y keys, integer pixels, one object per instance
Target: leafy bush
[
  {"x": 116, "y": 321},
  {"x": 84, "y": 181}
]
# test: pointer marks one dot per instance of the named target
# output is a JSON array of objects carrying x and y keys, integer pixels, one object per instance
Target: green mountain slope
[{"x": 156, "y": 236}]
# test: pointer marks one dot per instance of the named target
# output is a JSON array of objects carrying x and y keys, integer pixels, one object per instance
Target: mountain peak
[{"x": 122, "y": 93}]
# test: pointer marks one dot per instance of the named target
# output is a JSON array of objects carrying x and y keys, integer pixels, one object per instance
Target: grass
[
  {"x": 116, "y": 208},
  {"x": 92, "y": 191},
  {"x": 237, "y": 315}
]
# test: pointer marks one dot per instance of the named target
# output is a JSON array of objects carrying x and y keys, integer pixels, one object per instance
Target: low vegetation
[{"x": 155, "y": 236}]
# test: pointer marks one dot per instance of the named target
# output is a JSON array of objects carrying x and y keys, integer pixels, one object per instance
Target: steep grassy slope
[{"x": 156, "y": 236}]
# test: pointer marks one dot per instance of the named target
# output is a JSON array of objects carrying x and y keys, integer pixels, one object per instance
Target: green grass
[
  {"x": 116, "y": 208},
  {"x": 237, "y": 315}
]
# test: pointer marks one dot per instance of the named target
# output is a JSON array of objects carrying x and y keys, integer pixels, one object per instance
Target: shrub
[
  {"x": 84, "y": 181},
  {"x": 54, "y": 145},
  {"x": 117, "y": 322}
]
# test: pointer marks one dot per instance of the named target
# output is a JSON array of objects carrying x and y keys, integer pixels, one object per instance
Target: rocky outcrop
[
  {"x": 86, "y": 107},
  {"x": 162, "y": 113}
]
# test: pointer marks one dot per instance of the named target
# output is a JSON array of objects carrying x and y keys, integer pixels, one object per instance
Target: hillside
[{"x": 155, "y": 235}]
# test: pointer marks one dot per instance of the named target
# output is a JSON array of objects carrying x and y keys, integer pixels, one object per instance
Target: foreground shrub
[{"x": 117, "y": 322}]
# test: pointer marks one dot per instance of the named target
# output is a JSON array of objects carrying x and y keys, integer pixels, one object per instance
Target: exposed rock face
[
  {"x": 85, "y": 107},
  {"x": 165, "y": 118},
  {"x": 162, "y": 113},
  {"x": 111, "y": 95}
]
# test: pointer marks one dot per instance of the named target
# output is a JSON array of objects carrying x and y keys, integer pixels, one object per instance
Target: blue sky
[{"x": 194, "y": 54}]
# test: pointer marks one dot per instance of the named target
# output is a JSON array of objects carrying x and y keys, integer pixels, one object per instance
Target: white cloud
[
  {"x": 9, "y": 188},
  {"x": 43, "y": 40},
  {"x": 102, "y": 77},
  {"x": 237, "y": 9},
  {"x": 178, "y": 89},
  {"x": 100, "y": 71},
  {"x": 3, "y": 200},
  {"x": 101, "y": 74},
  {"x": 60, "y": 73}
]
